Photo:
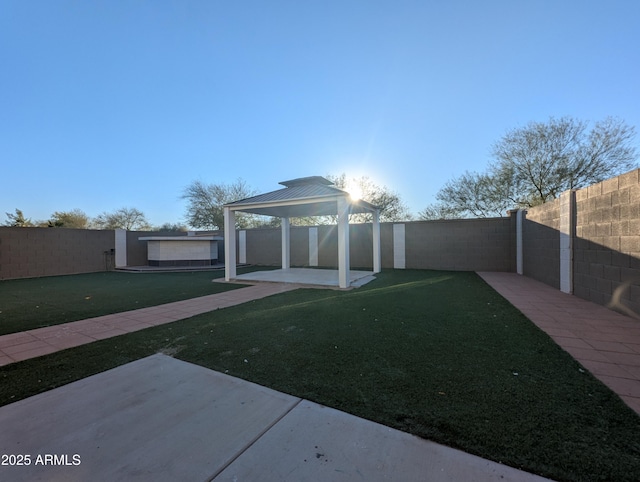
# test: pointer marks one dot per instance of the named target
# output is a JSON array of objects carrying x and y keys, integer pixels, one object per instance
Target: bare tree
[
  {"x": 392, "y": 208},
  {"x": 535, "y": 164},
  {"x": 538, "y": 162},
  {"x": 471, "y": 195},
  {"x": 437, "y": 211},
  {"x": 123, "y": 218},
  {"x": 205, "y": 204},
  {"x": 171, "y": 227}
]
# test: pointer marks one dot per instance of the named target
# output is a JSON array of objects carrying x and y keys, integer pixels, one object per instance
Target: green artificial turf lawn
[
  {"x": 437, "y": 354},
  {"x": 31, "y": 303}
]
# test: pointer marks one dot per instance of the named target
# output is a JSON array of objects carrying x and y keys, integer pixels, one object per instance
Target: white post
[
  {"x": 343, "y": 243},
  {"x": 566, "y": 242},
  {"x": 399, "y": 259},
  {"x": 313, "y": 246},
  {"x": 377, "y": 258},
  {"x": 242, "y": 247},
  {"x": 286, "y": 243},
  {"x": 121, "y": 247},
  {"x": 519, "y": 247},
  {"x": 229, "y": 244}
]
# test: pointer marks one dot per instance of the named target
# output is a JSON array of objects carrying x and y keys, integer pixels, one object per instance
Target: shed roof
[{"x": 306, "y": 196}]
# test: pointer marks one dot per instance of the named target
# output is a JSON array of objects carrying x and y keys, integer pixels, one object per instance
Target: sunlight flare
[{"x": 354, "y": 190}]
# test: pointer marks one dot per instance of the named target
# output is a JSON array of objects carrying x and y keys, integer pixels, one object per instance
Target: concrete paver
[
  {"x": 36, "y": 352},
  {"x": 28, "y": 346},
  {"x": 42, "y": 341},
  {"x": 605, "y": 342},
  {"x": 14, "y": 339},
  {"x": 160, "y": 419},
  {"x": 108, "y": 334}
]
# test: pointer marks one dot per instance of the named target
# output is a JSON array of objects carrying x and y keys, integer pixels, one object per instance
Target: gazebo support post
[
  {"x": 377, "y": 259},
  {"x": 229, "y": 244},
  {"x": 343, "y": 243},
  {"x": 286, "y": 243}
]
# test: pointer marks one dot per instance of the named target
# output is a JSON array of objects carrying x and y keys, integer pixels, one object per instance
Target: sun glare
[{"x": 354, "y": 190}]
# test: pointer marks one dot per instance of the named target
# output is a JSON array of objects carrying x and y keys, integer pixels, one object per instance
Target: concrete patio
[
  {"x": 160, "y": 419},
  {"x": 307, "y": 276}
]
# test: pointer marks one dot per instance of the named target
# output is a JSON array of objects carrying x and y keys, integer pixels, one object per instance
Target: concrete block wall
[
  {"x": 460, "y": 245},
  {"x": 386, "y": 244},
  {"x": 541, "y": 243},
  {"x": 606, "y": 253},
  {"x": 136, "y": 249},
  {"x": 35, "y": 252},
  {"x": 263, "y": 246},
  {"x": 299, "y": 246},
  {"x": 361, "y": 245},
  {"x": 600, "y": 229},
  {"x": 328, "y": 246},
  {"x": 466, "y": 245}
]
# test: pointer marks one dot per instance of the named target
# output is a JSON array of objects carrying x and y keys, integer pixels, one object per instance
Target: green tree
[
  {"x": 18, "y": 220},
  {"x": 76, "y": 219},
  {"x": 123, "y": 218}
]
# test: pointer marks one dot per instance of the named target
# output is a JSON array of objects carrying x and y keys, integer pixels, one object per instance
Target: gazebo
[{"x": 303, "y": 197}]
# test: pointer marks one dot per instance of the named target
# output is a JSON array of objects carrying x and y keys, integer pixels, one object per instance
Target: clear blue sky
[{"x": 108, "y": 103}]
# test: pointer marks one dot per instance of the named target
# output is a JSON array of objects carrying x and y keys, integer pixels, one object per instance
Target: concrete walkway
[
  {"x": 163, "y": 419},
  {"x": 42, "y": 341},
  {"x": 605, "y": 342}
]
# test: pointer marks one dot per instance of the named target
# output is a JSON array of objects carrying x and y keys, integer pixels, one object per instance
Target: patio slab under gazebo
[{"x": 307, "y": 276}]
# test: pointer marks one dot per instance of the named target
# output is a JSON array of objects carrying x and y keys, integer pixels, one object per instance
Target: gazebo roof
[{"x": 306, "y": 196}]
